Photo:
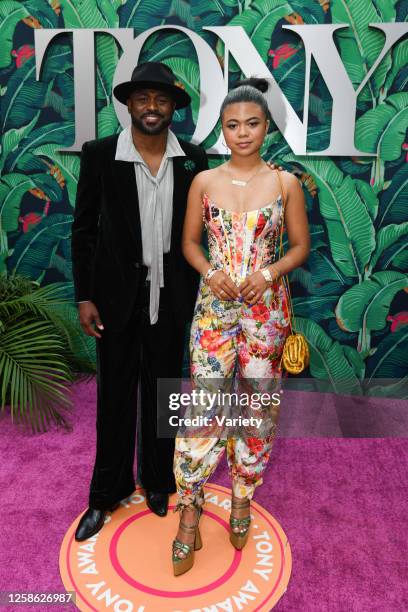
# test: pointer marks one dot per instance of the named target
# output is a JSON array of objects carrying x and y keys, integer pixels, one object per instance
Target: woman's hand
[
  {"x": 223, "y": 287},
  {"x": 253, "y": 287}
]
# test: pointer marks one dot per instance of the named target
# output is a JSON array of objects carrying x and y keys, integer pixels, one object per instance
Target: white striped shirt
[{"x": 155, "y": 195}]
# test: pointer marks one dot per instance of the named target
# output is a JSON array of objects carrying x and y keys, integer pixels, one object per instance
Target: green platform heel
[
  {"x": 181, "y": 565},
  {"x": 239, "y": 539}
]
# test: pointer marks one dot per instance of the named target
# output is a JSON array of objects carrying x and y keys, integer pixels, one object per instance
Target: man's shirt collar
[{"x": 126, "y": 150}]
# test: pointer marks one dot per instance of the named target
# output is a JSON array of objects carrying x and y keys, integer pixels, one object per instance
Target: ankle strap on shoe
[
  {"x": 196, "y": 502},
  {"x": 188, "y": 528},
  {"x": 240, "y": 503}
]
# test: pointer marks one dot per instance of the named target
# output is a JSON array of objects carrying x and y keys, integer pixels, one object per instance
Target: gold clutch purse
[{"x": 295, "y": 354}]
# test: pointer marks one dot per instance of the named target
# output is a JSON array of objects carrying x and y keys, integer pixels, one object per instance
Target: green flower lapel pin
[{"x": 189, "y": 164}]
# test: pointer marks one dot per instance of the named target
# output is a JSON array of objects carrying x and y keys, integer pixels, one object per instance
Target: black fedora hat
[{"x": 152, "y": 75}]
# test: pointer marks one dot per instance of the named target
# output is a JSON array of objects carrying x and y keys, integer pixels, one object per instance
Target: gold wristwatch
[{"x": 267, "y": 275}]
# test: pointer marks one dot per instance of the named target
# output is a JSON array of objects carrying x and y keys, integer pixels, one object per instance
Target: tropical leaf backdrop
[{"x": 350, "y": 296}]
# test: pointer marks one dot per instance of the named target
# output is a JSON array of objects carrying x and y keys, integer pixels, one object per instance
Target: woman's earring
[{"x": 225, "y": 144}]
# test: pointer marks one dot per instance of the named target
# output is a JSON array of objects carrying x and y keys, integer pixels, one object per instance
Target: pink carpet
[{"x": 342, "y": 502}]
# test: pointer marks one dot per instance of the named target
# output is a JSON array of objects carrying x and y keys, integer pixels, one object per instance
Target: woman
[{"x": 241, "y": 316}]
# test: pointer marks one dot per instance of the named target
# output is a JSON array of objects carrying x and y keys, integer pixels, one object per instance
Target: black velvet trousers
[{"x": 149, "y": 352}]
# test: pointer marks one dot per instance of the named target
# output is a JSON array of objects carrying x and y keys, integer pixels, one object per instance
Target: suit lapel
[
  {"x": 124, "y": 173},
  {"x": 124, "y": 185},
  {"x": 180, "y": 192}
]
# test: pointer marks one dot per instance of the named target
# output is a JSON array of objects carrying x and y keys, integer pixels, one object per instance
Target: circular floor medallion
[{"x": 126, "y": 567}]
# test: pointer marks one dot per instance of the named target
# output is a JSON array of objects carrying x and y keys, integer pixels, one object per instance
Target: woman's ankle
[
  {"x": 190, "y": 501},
  {"x": 189, "y": 515}
]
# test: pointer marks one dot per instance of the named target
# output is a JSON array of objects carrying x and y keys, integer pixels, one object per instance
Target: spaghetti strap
[{"x": 282, "y": 188}]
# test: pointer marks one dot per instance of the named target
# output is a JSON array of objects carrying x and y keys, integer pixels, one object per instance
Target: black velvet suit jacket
[{"x": 106, "y": 233}]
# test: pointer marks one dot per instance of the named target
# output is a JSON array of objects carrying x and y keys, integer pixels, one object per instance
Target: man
[{"x": 136, "y": 292}]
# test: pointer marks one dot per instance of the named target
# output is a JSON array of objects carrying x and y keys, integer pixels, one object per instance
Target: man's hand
[
  {"x": 273, "y": 166},
  {"x": 89, "y": 319}
]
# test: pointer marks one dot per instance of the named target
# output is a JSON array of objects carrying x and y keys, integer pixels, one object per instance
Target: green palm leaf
[
  {"x": 55, "y": 303},
  {"x": 327, "y": 278},
  {"x": 318, "y": 138},
  {"x": 107, "y": 55},
  {"x": 401, "y": 82},
  {"x": 304, "y": 278},
  {"x": 182, "y": 10},
  {"x": 396, "y": 256},
  {"x": 368, "y": 197},
  {"x": 58, "y": 61},
  {"x": 162, "y": 45},
  {"x": 58, "y": 133},
  {"x": 95, "y": 14},
  {"x": 109, "y": 11},
  {"x": 188, "y": 73},
  {"x": 290, "y": 76},
  {"x": 394, "y": 200},
  {"x": 65, "y": 84},
  {"x": 399, "y": 61},
  {"x": 366, "y": 305},
  {"x": 316, "y": 308},
  {"x": 33, "y": 251},
  {"x": 215, "y": 12},
  {"x": 259, "y": 21},
  {"x": 68, "y": 164},
  {"x": 23, "y": 99},
  {"x": 355, "y": 359},
  {"x": 386, "y": 237},
  {"x": 10, "y": 14},
  {"x": 12, "y": 189},
  {"x": 11, "y": 139},
  {"x": 327, "y": 359},
  {"x": 65, "y": 318},
  {"x": 270, "y": 141},
  {"x": 386, "y": 9},
  {"x": 390, "y": 357},
  {"x": 34, "y": 375},
  {"x": 382, "y": 130},
  {"x": 360, "y": 45},
  {"x": 82, "y": 14},
  {"x": 21, "y": 293},
  {"x": 43, "y": 12},
  {"x": 319, "y": 107},
  {"x": 107, "y": 121},
  {"x": 350, "y": 228},
  {"x": 58, "y": 105},
  {"x": 143, "y": 14},
  {"x": 398, "y": 389},
  {"x": 354, "y": 166},
  {"x": 311, "y": 12}
]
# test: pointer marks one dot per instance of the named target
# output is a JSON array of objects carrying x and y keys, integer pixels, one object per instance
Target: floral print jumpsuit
[{"x": 231, "y": 338}]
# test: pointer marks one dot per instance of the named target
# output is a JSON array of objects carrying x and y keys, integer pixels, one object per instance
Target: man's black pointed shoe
[
  {"x": 91, "y": 522},
  {"x": 157, "y": 502}
]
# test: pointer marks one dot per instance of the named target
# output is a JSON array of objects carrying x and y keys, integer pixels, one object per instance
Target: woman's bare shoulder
[
  {"x": 288, "y": 177},
  {"x": 290, "y": 181},
  {"x": 203, "y": 178}
]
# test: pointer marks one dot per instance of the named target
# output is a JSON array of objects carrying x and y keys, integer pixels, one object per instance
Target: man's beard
[{"x": 151, "y": 130}]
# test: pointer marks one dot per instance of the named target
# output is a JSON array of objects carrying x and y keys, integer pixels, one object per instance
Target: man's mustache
[{"x": 152, "y": 115}]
